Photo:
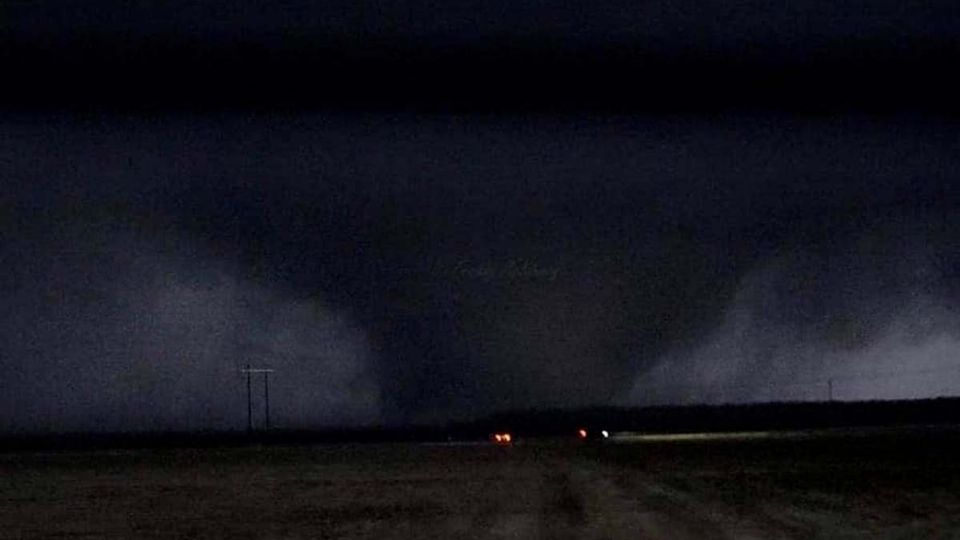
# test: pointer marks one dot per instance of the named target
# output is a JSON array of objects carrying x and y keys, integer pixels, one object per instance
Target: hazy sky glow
[{"x": 767, "y": 211}]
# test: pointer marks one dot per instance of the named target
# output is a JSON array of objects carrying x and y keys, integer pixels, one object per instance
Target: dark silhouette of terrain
[{"x": 543, "y": 423}]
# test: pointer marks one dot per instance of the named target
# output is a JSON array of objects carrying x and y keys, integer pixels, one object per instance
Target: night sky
[{"x": 426, "y": 211}]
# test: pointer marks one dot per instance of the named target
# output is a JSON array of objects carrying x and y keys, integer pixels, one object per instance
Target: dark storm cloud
[
  {"x": 107, "y": 331},
  {"x": 711, "y": 25},
  {"x": 872, "y": 316},
  {"x": 414, "y": 267},
  {"x": 612, "y": 55},
  {"x": 115, "y": 319}
]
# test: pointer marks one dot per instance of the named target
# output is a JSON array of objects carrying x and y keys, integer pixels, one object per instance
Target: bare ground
[{"x": 889, "y": 488}]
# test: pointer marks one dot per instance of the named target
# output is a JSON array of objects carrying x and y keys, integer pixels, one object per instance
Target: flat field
[{"x": 892, "y": 484}]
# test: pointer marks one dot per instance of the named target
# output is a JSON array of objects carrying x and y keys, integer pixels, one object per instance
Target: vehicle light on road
[{"x": 502, "y": 438}]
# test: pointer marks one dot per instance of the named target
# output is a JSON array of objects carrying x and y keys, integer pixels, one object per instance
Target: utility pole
[
  {"x": 249, "y": 402},
  {"x": 830, "y": 389},
  {"x": 266, "y": 395},
  {"x": 266, "y": 399}
]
